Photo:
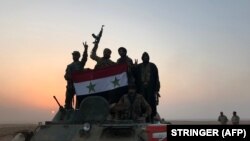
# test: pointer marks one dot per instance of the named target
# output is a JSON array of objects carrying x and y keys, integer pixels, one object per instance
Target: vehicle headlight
[{"x": 86, "y": 127}]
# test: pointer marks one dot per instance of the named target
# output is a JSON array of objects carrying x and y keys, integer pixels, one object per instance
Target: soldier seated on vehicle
[{"x": 132, "y": 106}]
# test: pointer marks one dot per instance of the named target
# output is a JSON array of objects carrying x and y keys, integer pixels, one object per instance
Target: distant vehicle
[{"x": 91, "y": 123}]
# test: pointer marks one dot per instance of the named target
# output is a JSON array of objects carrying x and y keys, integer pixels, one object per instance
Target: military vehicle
[{"x": 91, "y": 122}]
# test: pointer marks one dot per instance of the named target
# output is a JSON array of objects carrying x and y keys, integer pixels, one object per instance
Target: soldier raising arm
[
  {"x": 76, "y": 65},
  {"x": 101, "y": 61}
]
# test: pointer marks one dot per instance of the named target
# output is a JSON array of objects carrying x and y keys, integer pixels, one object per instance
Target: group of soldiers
[
  {"x": 223, "y": 118},
  {"x": 142, "y": 95}
]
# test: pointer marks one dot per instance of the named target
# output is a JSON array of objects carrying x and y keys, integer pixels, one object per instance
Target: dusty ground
[{"x": 7, "y": 131}]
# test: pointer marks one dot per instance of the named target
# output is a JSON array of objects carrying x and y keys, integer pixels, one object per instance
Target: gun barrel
[{"x": 57, "y": 101}]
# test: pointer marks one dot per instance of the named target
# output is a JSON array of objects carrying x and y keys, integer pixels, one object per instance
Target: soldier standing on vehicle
[
  {"x": 76, "y": 65},
  {"x": 124, "y": 59},
  {"x": 101, "y": 61},
  {"x": 148, "y": 84}
]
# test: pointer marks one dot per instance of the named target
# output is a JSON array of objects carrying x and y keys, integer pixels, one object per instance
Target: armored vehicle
[{"x": 91, "y": 122}]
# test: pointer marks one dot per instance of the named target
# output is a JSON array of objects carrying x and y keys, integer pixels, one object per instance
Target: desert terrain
[{"x": 7, "y": 131}]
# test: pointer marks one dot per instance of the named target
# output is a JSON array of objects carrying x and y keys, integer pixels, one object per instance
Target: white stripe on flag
[{"x": 101, "y": 85}]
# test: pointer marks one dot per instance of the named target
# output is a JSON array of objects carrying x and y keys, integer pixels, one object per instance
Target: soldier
[
  {"x": 76, "y": 65},
  {"x": 101, "y": 61},
  {"x": 125, "y": 59},
  {"x": 235, "y": 118},
  {"x": 133, "y": 106},
  {"x": 104, "y": 61},
  {"x": 148, "y": 84},
  {"x": 222, "y": 119}
]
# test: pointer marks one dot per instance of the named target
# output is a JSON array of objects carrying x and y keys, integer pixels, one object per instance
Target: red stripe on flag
[
  {"x": 99, "y": 73},
  {"x": 156, "y": 128}
]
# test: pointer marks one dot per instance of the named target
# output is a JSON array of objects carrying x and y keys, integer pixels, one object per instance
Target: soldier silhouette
[
  {"x": 222, "y": 119},
  {"x": 148, "y": 84},
  {"x": 76, "y": 65},
  {"x": 235, "y": 118},
  {"x": 101, "y": 61}
]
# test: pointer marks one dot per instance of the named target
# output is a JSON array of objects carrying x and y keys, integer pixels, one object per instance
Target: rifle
[{"x": 98, "y": 37}]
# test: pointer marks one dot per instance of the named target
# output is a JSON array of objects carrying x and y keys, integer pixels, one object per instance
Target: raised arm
[
  {"x": 96, "y": 42},
  {"x": 85, "y": 54},
  {"x": 93, "y": 53}
]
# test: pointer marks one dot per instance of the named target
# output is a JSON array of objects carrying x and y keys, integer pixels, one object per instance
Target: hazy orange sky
[{"x": 201, "y": 48}]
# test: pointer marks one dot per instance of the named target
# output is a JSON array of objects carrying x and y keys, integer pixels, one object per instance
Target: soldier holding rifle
[{"x": 101, "y": 61}]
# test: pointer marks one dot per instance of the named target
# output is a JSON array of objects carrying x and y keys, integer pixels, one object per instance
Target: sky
[{"x": 201, "y": 49}]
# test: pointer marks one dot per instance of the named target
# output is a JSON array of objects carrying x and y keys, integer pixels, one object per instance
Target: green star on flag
[
  {"x": 91, "y": 87},
  {"x": 116, "y": 82}
]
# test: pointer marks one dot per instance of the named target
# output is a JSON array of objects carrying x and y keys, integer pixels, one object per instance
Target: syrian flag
[{"x": 110, "y": 82}]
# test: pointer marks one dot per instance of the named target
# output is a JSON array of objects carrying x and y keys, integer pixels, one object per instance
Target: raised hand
[{"x": 85, "y": 45}]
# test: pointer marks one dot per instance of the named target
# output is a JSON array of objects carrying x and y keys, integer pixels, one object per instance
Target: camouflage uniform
[
  {"x": 74, "y": 66},
  {"x": 130, "y": 72},
  {"x": 101, "y": 61},
  {"x": 134, "y": 106},
  {"x": 125, "y": 60}
]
